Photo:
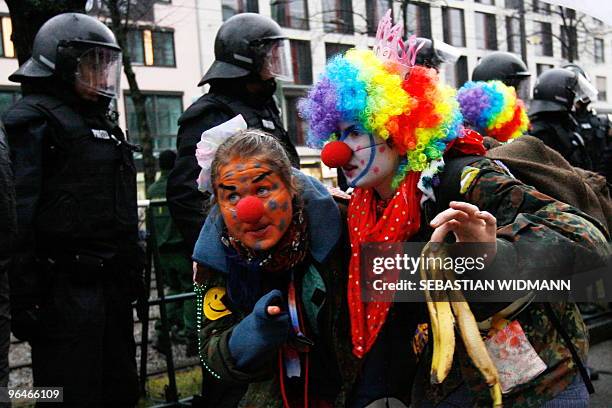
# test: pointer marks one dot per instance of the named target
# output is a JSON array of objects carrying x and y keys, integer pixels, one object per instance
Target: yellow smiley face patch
[{"x": 214, "y": 308}]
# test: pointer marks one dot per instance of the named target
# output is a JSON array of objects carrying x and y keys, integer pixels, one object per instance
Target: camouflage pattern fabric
[{"x": 527, "y": 216}]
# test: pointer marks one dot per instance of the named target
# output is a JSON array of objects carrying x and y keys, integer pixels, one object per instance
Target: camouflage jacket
[
  {"x": 526, "y": 215},
  {"x": 321, "y": 290}
]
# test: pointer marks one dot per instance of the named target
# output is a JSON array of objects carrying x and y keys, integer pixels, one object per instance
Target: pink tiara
[{"x": 390, "y": 48}]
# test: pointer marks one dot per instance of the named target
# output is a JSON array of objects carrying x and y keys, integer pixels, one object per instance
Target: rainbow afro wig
[
  {"x": 493, "y": 109},
  {"x": 419, "y": 114}
]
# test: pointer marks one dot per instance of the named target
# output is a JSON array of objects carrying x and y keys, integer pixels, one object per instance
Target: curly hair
[{"x": 418, "y": 113}]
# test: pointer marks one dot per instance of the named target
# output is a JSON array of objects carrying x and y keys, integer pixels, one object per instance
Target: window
[
  {"x": 599, "y": 51},
  {"x": 301, "y": 61},
  {"x": 540, "y": 68},
  {"x": 569, "y": 43},
  {"x": 163, "y": 49},
  {"x": 290, "y": 13},
  {"x": 541, "y": 7},
  {"x": 151, "y": 48},
  {"x": 232, "y": 7},
  {"x": 454, "y": 26},
  {"x": 513, "y": 34},
  {"x": 135, "y": 46},
  {"x": 544, "y": 45},
  {"x": 456, "y": 75},
  {"x": 338, "y": 16},
  {"x": 513, "y": 4},
  {"x": 602, "y": 88},
  {"x": 375, "y": 10},
  {"x": 486, "y": 31},
  {"x": 8, "y": 97},
  {"x": 487, "y": 2},
  {"x": 296, "y": 126},
  {"x": 332, "y": 49},
  {"x": 7, "y": 49},
  {"x": 162, "y": 113},
  {"x": 418, "y": 17}
]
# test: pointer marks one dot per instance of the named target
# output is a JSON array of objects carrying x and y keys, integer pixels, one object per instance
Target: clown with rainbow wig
[
  {"x": 493, "y": 109},
  {"x": 396, "y": 132}
]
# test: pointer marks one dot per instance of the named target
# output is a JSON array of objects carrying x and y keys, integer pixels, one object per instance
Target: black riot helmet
[
  {"x": 577, "y": 70},
  {"x": 583, "y": 98},
  {"x": 78, "y": 49},
  {"x": 434, "y": 53},
  {"x": 557, "y": 89},
  {"x": 505, "y": 67},
  {"x": 249, "y": 43}
]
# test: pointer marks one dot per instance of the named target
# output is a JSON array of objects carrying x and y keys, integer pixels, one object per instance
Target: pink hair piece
[{"x": 390, "y": 48}]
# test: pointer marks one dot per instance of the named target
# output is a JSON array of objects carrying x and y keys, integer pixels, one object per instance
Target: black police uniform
[
  {"x": 78, "y": 262},
  {"x": 594, "y": 130},
  {"x": 220, "y": 104},
  {"x": 559, "y": 131},
  {"x": 8, "y": 231}
]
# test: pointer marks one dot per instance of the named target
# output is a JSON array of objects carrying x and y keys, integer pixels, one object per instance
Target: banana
[
  {"x": 442, "y": 326},
  {"x": 446, "y": 342},
  {"x": 474, "y": 345},
  {"x": 443, "y": 314}
]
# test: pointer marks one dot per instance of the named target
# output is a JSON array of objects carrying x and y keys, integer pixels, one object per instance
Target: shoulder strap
[
  {"x": 235, "y": 107},
  {"x": 450, "y": 182},
  {"x": 568, "y": 342},
  {"x": 60, "y": 113}
]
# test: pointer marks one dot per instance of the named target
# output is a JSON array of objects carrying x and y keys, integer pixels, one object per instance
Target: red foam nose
[
  {"x": 249, "y": 210},
  {"x": 336, "y": 154}
]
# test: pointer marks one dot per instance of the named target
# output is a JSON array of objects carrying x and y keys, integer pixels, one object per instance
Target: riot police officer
[
  {"x": 552, "y": 119},
  {"x": 78, "y": 264},
  {"x": 593, "y": 128},
  {"x": 506, "y": 67},
  {"x": 250, "y": 53}
]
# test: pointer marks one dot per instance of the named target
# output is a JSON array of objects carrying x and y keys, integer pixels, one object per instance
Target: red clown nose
[
  {"x": 249, "y": 210},
  {"x": 336, "y": 154}
]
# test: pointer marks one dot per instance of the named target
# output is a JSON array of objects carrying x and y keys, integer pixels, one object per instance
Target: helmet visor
[
  {"x": 99, "y": 71},
  {"x": 523, "y": 89},
  {"x": 447, "y": 54},
  {"x": 585, "y": 91},
  {"x": 276, "y": 63}
]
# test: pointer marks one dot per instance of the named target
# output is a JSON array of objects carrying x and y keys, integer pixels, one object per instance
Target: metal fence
[{"x": 153, "y": 267}]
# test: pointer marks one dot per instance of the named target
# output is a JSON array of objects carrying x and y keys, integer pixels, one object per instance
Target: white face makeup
[{"x": 373, "y": 161}]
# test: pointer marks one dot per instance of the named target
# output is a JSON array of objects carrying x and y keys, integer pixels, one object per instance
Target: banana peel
[{"x": 444, "y": 315}]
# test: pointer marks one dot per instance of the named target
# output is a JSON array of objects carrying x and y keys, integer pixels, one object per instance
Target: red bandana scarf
[{"x": 399, "y": 221}]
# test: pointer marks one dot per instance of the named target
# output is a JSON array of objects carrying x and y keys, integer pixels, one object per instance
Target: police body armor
[
  {"x": 88, "y": 198},
  {"x": 265, "y": 118},
  {"x": 594, "y": 130},
  {"x": 559, "y": 131}
]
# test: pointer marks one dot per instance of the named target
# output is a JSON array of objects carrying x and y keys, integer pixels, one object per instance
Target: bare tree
[
  {"x": 121, "y": 16},
  {"x": 576, "y": 32},
  {"x": 28, "y": 16}
]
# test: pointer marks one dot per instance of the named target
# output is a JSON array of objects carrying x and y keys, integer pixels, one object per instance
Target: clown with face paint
[
  {"x": 271, "y": 272},
  {"x": 396, "y": 133}
]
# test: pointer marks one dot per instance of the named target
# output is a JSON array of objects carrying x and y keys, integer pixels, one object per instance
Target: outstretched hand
[{"x": 467, "y": 222}]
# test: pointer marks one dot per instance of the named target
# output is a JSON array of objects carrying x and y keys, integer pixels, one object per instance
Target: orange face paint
[{"x": 243, "y": 178}]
